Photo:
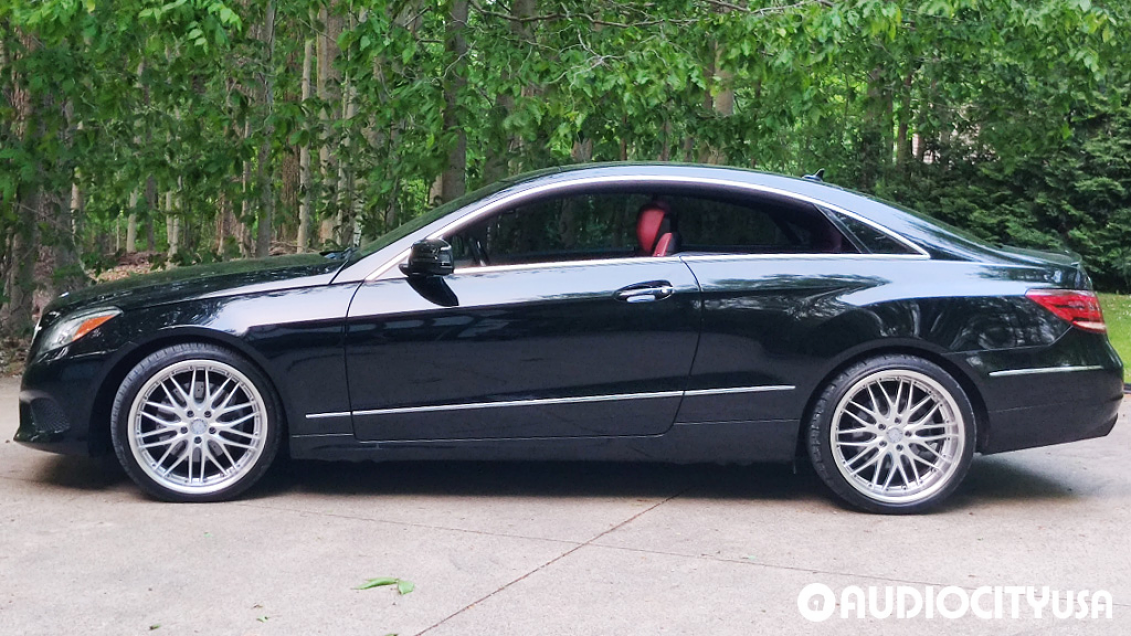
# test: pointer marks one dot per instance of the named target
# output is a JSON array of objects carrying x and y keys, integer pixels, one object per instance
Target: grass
[{"x": 1117, "y": 314}]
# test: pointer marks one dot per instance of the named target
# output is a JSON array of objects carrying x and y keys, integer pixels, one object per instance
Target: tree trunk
[
  {"x": 264, "y": 176},
  {"x": 302, "y": 240},
  {"x": 151, "y": 204},
  {"x": 903, "y": 143},
  {"x": 328, "y": 79},
  {"x": 131, "y": 225},
  {"x": 872, "y": 135},
  {"x": 172, "y": 225},
  {"x": 455, "y": 45},
  {"x": 246, "y": 202}
]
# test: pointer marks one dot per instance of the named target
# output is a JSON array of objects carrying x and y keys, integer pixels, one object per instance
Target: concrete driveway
[{"x": 530, "y": 549}]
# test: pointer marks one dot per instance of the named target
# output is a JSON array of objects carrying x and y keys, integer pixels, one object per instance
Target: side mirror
[{"x": 431, "y": 257}]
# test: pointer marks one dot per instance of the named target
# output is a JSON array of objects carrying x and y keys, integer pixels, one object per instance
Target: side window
[
  {"x": 870, "y": 238},
  {"x": 756, "y": 227},
  {"x": 581, "y": 227}
]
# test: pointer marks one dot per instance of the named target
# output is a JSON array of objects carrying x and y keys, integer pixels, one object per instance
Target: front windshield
[{"x": 423, "y": 220}]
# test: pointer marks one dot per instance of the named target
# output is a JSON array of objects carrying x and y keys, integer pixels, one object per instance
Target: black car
[{"x": 605, "y": 312}]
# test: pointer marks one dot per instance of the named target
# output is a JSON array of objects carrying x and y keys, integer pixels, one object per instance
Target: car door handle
[{"x": 645, "y": 292}]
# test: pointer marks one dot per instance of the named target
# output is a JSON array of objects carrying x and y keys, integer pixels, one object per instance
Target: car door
[{"x": 577, "y": 339}]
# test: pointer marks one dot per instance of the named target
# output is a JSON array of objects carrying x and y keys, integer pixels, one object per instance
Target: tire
[
  {"x": 195, "y": 407},
  {"x": 893, "y": 434}
]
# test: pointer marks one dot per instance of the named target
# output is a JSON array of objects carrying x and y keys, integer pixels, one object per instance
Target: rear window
[
  {"x": 871, "y": 238},
  {"x": 755, "y": 227}
]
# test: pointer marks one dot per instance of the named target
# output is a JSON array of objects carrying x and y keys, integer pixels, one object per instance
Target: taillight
[{"x": 1077, "y": 307}]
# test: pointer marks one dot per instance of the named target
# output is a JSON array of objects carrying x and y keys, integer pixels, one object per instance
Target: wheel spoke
[
  {"x": 160, "y": 442},
  {"x": 871, "y": 442},
  {"x": 922, "y": 422},
  {"x": 228, "y": 456},
  {"x": 232, "y": 409},
  {"x": 181, "y": 391},
  {"x": 914, "y": 469},
  {"x": 215, "y": 395},
  {"x": 920, "y": 459},
  {"x": 936, "y": 437},
  {"x": 229, "y": 442},
  {"x": 236, "y": 431},
  {"x": 895, "y": 459},
  {"x": 156, "y": 420},
  {"x": 861, "y": 420},
  {"x": 237, "y": 421},
  {"x": 875, "y": 456},
  {"x": 164, "y": 407}
]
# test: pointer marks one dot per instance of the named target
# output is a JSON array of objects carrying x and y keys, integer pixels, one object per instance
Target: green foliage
[
  {"x": 1117, "y": 314},
  {"x": 1007, "y": 118}
]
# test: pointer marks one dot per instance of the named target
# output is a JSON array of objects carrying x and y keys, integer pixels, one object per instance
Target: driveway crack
[{"x": 552, "y": 561}]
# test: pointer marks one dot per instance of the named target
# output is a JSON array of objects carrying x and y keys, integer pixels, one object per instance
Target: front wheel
[
  {"x": 893, "y": 434},
  {"x": 195, "y": 422}
]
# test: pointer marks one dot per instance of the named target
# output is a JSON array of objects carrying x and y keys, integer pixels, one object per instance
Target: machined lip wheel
[
  {"x": 197, "y": 426},
  {"x": 897, "y": 436}
]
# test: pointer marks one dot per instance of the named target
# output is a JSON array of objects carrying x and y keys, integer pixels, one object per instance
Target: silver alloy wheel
[
  {"x": 897, "y": 436},
  {"x": 197, "y": 426}
]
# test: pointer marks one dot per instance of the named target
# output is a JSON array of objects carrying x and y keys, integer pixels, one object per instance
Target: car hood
[{"x": 184, "y": 283}]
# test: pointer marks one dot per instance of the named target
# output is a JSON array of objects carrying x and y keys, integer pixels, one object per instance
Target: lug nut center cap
[
  {"x": 198, "y": 426},
  {"x": 893, "y": 434}
]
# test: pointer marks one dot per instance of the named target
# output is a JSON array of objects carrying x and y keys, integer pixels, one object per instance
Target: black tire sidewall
[
  {"x": 820, "y": 425},
  {"x": 153, "y": 364}
]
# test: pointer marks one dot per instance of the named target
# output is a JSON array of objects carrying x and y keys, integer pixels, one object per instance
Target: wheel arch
[
  {"x": 99, "y": 433},
  {"x": 963, "y": 376}
]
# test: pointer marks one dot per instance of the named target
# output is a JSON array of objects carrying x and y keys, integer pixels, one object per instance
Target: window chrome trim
[
  {"x": 798, "y": 257},
  {"x": 1040, "y": 370},
  {"x": 643, "y": 180},
  {"x": 487, "y": 269},
  {"x": 570, "y": 400}
]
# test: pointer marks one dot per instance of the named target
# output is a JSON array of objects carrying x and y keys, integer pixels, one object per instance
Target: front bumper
[{"x": 57, "y": 403}]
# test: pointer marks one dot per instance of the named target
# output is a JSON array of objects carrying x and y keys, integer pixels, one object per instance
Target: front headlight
[{"x": 75, "y": 326}]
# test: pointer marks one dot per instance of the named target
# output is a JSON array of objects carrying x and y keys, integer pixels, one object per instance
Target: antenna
[{"x": 818, "y": 176}]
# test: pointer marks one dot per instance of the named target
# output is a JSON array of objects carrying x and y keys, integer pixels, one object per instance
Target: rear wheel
[
  {"x": 195, "y": 422},
  {"x": 893, "y": 434}
]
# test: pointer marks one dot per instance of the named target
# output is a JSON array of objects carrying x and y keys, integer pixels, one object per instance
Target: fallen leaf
[{"x": 404, "y": 587}]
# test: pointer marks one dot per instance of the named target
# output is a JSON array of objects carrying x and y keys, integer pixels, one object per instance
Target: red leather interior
[
  {"x": 648, "y": 223},
  {"x": 663, "y": 245}
]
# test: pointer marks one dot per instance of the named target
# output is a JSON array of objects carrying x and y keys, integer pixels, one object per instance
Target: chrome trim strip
[
  {"x": 317, "y": 416},
  {"x": 741, "y": 389},
  {"x": 1009, "y": 372},
  {"x": 674, "y": 179},
  {"x": 571, "y": 400},
  {"x": 795, "y": 257},
  {"x": 491, "y": 405},
  {"x": 487, "y": 269}
]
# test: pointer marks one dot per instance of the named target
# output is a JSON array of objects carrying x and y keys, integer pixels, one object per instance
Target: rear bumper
[{"x": 1081, "y": 406}]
